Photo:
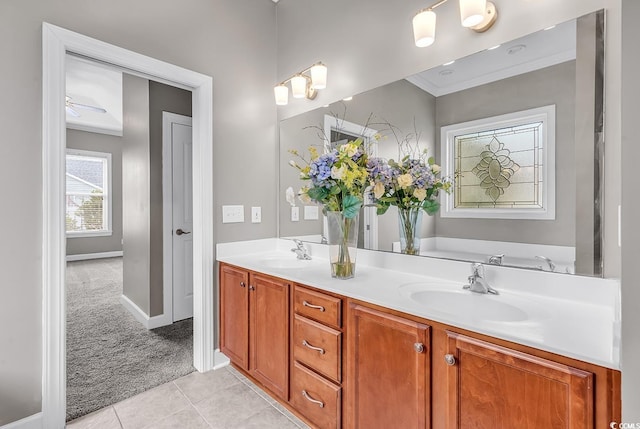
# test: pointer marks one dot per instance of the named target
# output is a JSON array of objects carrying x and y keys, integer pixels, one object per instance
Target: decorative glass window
[
  {"x": 503, "y": 167},
  {"x": 88, "y": 194}
]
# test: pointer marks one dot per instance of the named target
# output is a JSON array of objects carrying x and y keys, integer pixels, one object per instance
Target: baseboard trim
[
  {"x": 142, "y": 317},
  {"x": 87, "y": 256},
  {"x": 220, "y": 360},
  {"x": 31, "y": 422}
]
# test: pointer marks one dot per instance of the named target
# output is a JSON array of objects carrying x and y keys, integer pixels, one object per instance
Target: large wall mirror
[{"x": 558, "y": 70}]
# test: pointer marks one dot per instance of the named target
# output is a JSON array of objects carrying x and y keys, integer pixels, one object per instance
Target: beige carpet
[{"x": 110, "y": 355}]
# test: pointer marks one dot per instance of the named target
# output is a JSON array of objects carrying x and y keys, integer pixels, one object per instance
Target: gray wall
[
  {"x": 551, "y": 85},
  {"x": 397, "y": 103},
  {"x": 630, "y": 213},
  {"x": 175, "y": 100},
  {"x": 234, "y": 41},
  {"x": 108, "y": 144},
  {"x": 136, "y": 192}
]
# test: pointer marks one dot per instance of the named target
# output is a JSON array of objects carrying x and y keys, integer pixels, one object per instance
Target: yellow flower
[
  {"x": 405, "y": 180},
  {"x": 378, "y": 190},
  {"x": 313, "y": 152},
  {"x": 349, "y": 149},
  {"x": 420, "y": 194},
  {"x": 303, "y": 196},
  {"x": 338, "y": 173}
]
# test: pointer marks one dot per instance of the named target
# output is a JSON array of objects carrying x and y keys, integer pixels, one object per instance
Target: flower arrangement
[
  {"x": 338, "y": 178},
  {"x": 338, "y": 182}
]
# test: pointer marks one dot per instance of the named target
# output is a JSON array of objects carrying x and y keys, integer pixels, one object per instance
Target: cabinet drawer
[
  {"x": 317, "y": 346},
  {"x": 315, "y": 398},
  {"x": 318, "y": 306}
]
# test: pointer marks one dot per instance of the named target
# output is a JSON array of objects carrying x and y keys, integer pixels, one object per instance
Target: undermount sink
[
  {"x": 476, "y": 306},
  {"x": 285, "y": 261}
]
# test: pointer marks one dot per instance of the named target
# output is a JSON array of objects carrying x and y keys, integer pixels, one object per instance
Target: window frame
[
  {"x": 107, "y": 195},
  {"x": 545, "y": 115}
]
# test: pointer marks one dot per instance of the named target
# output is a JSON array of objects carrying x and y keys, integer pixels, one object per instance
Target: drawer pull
[
  {"x": 317, "y": 307},
  {"x": 450, "y": 359},
  {"x": 242, "y": 284},
  {"x": 318, "y": 349},
  {"x": 418, "y": 347},
  {"x": 310, "y": 399}
]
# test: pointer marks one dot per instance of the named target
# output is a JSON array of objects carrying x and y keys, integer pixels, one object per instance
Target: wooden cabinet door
[
  {"x": 493, "y": 387},
  {"x": 269, "y": 333},
  {"x": 387, "y": 371},
  {"x": 234, "y": 314}
]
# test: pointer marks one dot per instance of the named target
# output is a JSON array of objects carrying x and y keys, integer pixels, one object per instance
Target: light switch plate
[
  {"x": 310, "y": 212},
  {"x": 232, "y": 214},
  {"x": 295, "y": 214},
  {"x": 256, "y": 214}
]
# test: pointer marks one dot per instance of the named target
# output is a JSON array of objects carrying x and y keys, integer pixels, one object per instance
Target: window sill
[{"x": 89, "y": 234}]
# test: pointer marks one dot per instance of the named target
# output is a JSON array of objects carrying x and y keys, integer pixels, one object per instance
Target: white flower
[
  {"x": 435, "y": 168},
  {"x": 338, "y": 173},
  {"x": 378, "y": 190},
  {"x": 303, "y": 196},
  {"x": 420, "y": 194},
  {"x": 293, "y": 164},
  {"x": 349, "y": 148},
  {"x": 405, "y": 180}
]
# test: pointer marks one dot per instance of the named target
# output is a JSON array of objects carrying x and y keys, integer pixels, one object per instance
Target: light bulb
[
  {"x": 472, "y": 12},
  {"x": 424, "y": 28},
  {"x": 319, "y": 76},
  {"x": 299, "y": 86},
  {"x": 282, "y": 94}
]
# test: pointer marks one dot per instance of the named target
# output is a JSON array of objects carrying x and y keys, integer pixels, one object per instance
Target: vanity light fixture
[
  {"x": 303, "y": 85},
  {"x": 478, "y": 15}
]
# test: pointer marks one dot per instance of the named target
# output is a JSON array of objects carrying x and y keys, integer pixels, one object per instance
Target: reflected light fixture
[
  {"x": 478, "y": 15},
  {"x": 304, "y": 84}
]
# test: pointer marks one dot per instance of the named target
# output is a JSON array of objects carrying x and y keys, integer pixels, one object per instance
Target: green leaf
[
  {"x": 431, "y": 206},
  {"x": 382, "y": 209},
  {"x": 351, "y": 206},
  {"x": 431, "y": 160},
  {"x": 335, "y": 190},
  {"x": 318, "y": 194}
]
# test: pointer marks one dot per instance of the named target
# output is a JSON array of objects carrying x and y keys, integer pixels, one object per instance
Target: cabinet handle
[
  {"x": 251, "y": 287},
  {"x": 310, "y": 399},
  {"x": 450, "y": 359},
  {"x": 317, "y": 307},
  {"x": 418, "y": 347},
  {"x": 242, "y": 284},
  {"x": 318, "y": 349}
]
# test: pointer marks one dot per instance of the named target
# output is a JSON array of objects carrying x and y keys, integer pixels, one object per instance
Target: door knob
[
  {"x": 179, "y": 231},
  {"x": 450, "y": 359}
]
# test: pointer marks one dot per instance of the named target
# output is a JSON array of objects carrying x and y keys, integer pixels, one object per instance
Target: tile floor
[{"x": 217, "y": 399}]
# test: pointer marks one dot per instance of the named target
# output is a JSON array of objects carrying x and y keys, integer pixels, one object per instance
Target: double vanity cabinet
[{"x": 340, "y": 362}]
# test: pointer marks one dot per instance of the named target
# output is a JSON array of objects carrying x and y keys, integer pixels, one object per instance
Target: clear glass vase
[
  {"x": 409, "y": 223},
  {"x": 342, "y": 238}
]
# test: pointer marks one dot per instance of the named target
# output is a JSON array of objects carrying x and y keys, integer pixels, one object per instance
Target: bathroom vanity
[{"x": 403, "y": 345}]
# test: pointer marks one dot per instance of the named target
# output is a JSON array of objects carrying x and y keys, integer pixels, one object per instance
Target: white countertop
[{"x": 574, "y": 316}]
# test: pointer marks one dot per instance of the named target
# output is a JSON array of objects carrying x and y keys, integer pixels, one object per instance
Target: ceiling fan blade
[
  {"x": 72, "y": 112},
  {"x": 87, "y": 107}
]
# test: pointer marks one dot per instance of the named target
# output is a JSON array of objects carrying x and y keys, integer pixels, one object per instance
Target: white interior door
[{"x": 182, "y": 217}]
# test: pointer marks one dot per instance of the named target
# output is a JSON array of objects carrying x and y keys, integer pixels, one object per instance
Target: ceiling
[
  {"x": 94, "y": 84},
  {"x": 538, "y": 50}
]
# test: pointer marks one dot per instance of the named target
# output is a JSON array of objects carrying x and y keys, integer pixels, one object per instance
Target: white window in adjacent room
[{"x": 88, "y": 196}]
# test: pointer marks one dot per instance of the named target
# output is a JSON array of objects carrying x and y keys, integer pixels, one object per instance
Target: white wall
[{"x": 234, "y": 41}]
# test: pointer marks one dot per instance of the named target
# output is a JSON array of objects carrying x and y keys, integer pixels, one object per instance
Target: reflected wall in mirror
[{"x": 561, "y": 67}]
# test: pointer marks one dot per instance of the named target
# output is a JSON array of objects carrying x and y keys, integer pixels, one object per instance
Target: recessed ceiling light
[
  {"x": 449, "y": 63},
  {"x": 347, "y": 99},
  {"x": 446, "y": 72},
  {"x": 516, "y": 48},
  {"x": 493, "y": 47},
  {"x": 550, "y": 28}
]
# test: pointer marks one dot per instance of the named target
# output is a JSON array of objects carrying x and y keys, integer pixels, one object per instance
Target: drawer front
[
  {"x": 318, "y": 347},
  {"x": 318, "y": 306},
  {"x": 315, "y": 398}
]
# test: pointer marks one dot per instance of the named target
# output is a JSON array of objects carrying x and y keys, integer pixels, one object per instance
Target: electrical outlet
[
  {"x": 256, "y": 214},
  {"x": 232, "y": 214},
  {"x": 295, "y": 214}
]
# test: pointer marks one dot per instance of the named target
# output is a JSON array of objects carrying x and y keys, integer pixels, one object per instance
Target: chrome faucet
[
  {"x": 300, "y": 250},
  {"x": 496, "y": 259},
  {"x": 477, "y": 282},
  {"x": 552, "y": 266}
]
